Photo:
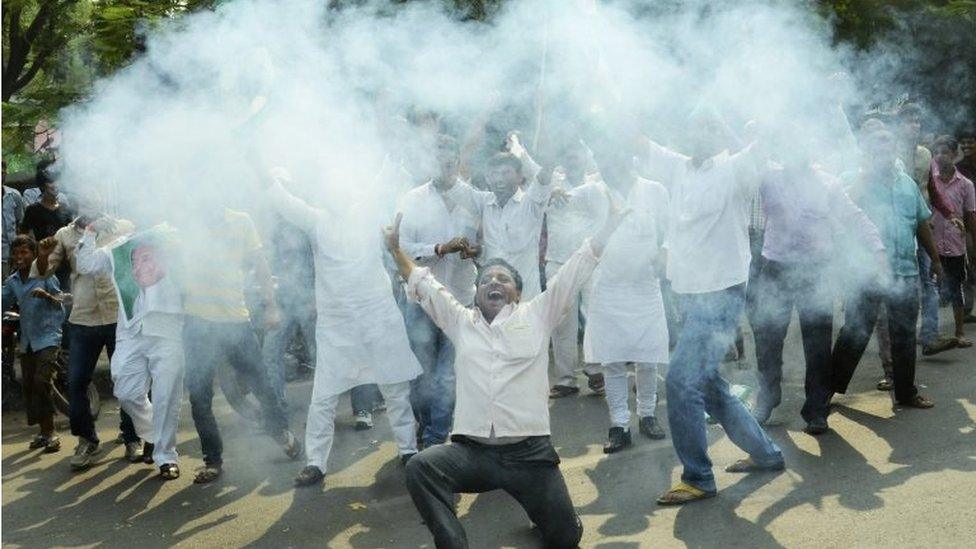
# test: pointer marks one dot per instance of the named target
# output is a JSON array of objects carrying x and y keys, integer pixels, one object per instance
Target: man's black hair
[
  {"x": 909, "y": 109},
  {"x": 505, "y": 159},
  {"x": 43, "y": 174},
  {"x": 499, "y": 262},
  {"x": 24, "y": 240},
  {"x": 946, "y": 141}
]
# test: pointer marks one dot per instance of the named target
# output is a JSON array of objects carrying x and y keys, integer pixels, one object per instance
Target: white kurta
[
  {"x": 359, "y": 331},
  {"x": 625, "y": 319}
]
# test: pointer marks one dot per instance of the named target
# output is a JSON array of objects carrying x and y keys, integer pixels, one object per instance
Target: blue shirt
[
  {"x": 40, "y": 319},
  {"x": 896, "y": 207}
]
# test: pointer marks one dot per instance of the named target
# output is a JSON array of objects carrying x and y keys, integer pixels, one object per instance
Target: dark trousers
[
  {"x": 207, "y": 345},
  {"x": 86, "y": 343},
  {"x": 527, "y": 470},
  {"x": 781, "y": 287},
  {"x": 365, "y": 397},
  {"x": 37, "y": 369},
  {"x": 860, "y": 316}
]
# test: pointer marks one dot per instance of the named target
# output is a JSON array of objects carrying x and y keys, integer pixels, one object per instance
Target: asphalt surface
[{"x": 882, "y": 476}]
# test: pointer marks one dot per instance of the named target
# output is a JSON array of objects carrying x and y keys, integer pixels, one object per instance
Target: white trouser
[
  {"x": 565, "y": 337},
  {"x": 138, "y": 364},
  {"x": 320, "y": 429},
  {"x": 615, "y": 377}
]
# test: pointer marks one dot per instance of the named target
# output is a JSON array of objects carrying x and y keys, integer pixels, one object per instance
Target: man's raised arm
[{"x": 436, "y": 301}]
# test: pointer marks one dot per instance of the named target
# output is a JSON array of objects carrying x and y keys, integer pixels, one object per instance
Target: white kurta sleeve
[
  {"x": 551, "y": 305},
  {"x": 90, "y": 259},
  {"x": 661, "y": 163},
  {"x": 289, "y": 206},
  {"x": 446, "y": 312}
]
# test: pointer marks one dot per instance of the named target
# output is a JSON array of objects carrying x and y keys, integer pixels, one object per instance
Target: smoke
[
  {"x": 332, "y": 93},
  {"x": 350, "y": 100}
]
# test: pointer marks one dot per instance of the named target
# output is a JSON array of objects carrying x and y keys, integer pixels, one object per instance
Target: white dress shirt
[
  {"x": 428, "y": 220},
  {"x": 510, "y": 232},
  {"x": 708, "y": 237},
  {"x": 502, "y": 367}
]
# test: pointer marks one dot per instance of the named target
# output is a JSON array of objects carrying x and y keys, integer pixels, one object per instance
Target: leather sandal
[
  {"x": 682, "y": 493},
  {"x": 747, "y": 465},
  {"x": 918, "y": 401},
  {"x": 207, "y": 474}
]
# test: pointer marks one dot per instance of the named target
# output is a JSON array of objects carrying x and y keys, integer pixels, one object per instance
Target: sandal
[
  {"x": 682, "y": 493},
  {"x": 918, "y": 401},
  {"x": 596, "y": 383},
  {"x": 747, "y": 465},
  {"x": 963, "y": 343},
  {"x": 561, "y": 391},
  {"x": 207, "y": 474},
  {"x": 39, "y": 441},
  {"x": 309, "y": 476},
  {"x": 289, "y": 444},
  {"x": 169, "y": 471},
  {"x": 886, "y": 384}
]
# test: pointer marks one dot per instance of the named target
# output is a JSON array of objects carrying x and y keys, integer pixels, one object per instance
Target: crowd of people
[{"x": 491, "y": 287}]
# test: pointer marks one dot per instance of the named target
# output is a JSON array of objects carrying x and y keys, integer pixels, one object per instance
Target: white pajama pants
[
  {"x": 143, "y": 363},
  {"x": 320, "y": 429},
  {"x": 617, "y": 389},
  {"x": 565, "y": 337}
]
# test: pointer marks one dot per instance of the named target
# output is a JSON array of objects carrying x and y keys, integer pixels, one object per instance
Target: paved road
[{"x": 883, "y": 476}]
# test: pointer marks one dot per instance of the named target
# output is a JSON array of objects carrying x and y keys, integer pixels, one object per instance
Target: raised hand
[
  {"x": 46, "y": 246},
  {"x": 391, "y": 234}
]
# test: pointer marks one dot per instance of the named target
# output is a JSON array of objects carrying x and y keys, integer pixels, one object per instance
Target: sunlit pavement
[{"x": 881, "y": 477}]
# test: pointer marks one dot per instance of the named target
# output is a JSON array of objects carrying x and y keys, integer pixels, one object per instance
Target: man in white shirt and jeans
[
  {"x": 437, "y": 233},
  {"x": 501, "y": 428},
  {"x": 708, "y": 264}
]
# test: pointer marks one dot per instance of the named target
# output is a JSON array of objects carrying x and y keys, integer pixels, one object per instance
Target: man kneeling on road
[{"x": 501, "y": 417}]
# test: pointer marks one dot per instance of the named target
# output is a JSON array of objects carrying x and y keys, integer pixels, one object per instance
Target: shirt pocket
[{"x": 520, "y": 340}]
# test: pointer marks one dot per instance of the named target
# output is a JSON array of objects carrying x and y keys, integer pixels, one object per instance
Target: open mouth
[{"x": 495, "y": 294}]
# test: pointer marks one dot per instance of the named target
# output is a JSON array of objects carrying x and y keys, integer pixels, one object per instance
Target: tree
[{"x": 33, "y": 35}]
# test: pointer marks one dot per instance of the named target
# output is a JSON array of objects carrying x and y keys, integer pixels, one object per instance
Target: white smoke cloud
[{"x": 325, "y": 92}]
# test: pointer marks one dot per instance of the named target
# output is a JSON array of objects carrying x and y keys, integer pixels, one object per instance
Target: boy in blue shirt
[{"x": 41, "y": 314}]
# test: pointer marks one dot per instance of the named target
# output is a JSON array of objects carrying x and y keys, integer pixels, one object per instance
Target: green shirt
[{"x": 896, "y": 207}]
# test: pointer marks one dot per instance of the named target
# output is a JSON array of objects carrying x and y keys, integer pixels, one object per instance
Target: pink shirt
[{"x": 960, "y": 197}]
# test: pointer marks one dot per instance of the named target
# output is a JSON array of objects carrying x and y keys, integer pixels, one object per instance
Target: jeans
[
  {"x": 781, "y": 287},
  {"x": 928, "y": 291},
  {"x": 207, "y": 346},
  {"x": 365, "y": 397},
  {"x": 432, "y": 393},
  {"x": 276, "y": 342},
  {"x": 695, "y": 387},
  {"x": 87, "y": 343},
  {"x": 861, "y": 313},
  {"x": 527, "y": 470}
]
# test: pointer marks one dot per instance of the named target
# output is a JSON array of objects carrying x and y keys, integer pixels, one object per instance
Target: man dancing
[
  {"x": 359, "y": 332},
  {"x": 501, "y": 421}
]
